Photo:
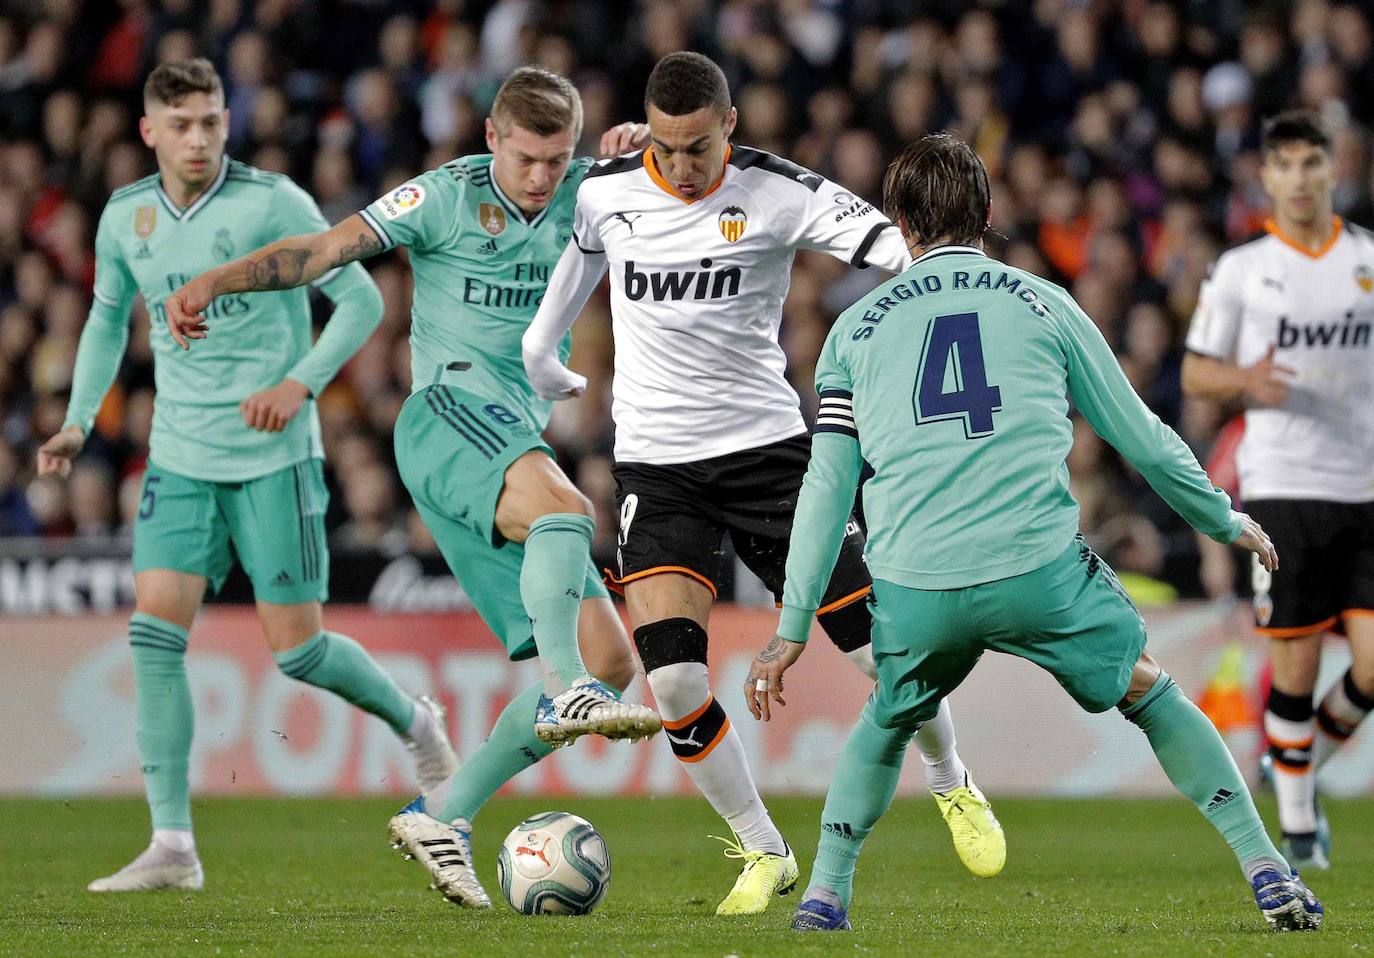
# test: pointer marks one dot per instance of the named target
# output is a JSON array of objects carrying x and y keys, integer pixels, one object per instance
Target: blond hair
[{"x": 542, "y": 102}]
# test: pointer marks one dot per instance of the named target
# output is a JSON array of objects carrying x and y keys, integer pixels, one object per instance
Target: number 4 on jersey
[{"x": 952, "y": 382}]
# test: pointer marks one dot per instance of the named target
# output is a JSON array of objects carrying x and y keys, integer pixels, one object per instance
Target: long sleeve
[
  {"x": 572, "y": 283},
  {"x": 106, "y": 334},
  {"x": 1104, "y": 395},
  {"x": 98, "y": 355},
  {"x": 823, "y": 508},
  {"x": 357, "y": 312}
]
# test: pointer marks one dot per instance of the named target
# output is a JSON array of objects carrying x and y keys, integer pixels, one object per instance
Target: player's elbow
[
  {"x": 1199, "y": 376},
  {"x": 364, "y": 301}
]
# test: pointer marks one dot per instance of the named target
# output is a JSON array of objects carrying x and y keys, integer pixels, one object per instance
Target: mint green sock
[
  {"x": 511, "y": 748},
  {"x": 165, "y": 718},
  {"x": 861, "y": 791},
  {"x": 552, "y": 576},
  {"x": 337, "y": 663},
  {"x": 1193, "y": 755}
]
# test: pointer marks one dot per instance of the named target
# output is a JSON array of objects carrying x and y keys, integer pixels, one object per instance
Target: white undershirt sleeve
[{"x": 572, "y": 283}]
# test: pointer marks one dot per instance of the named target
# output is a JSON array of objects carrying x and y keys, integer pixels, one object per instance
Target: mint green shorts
[
  {"x": 1071, "y": 617},
  {"x": 275, "y": 525},
  {"x": 453, "y": 448}
]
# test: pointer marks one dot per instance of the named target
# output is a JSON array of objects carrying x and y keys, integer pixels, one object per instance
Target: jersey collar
[
  {"x": 177, "y": 212},
  {"x": 651, "y": 166},
  {"x": 1271, "y": 226},
  {"x": 514, "y": 209},
  {"x": 947, "y": 251}
]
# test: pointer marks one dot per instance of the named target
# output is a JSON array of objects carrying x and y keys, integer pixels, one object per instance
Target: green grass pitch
[{"x": 315, "y": 877}]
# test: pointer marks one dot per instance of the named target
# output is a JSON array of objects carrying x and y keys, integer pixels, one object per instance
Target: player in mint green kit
[
  {"x": 235, "y": 453},
  {"x": 483, "y": 234},
  {"x": 953, "y": 380}
]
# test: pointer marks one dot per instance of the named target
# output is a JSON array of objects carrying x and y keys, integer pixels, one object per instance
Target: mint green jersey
[
  {"x": 146, "y": 244},
  {"x": 953, "y": 380},
  {"x": 481, "y": 267}
]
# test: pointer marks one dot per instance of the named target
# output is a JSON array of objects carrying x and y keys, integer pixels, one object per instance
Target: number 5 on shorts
[{"x": 149, "y": 501}]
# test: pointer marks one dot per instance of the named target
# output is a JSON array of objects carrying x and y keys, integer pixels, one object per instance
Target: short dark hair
[
  {"x": 174, "y": 80},
  {"x": 542, "y": 102},
  {"x": 685, "y": 82},
  {"x": 937, "y": 188},
  {"x": 1294, "y": 126}
]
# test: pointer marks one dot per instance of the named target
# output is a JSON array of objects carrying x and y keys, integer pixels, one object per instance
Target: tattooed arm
[
  {"x": 284, "y": 264},
  {"x": 765, "y": 675}
]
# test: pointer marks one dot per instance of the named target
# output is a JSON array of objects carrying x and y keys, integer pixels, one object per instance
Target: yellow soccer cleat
[
  {"x": 977, "y": 834},
  {"x": 763, "y": 876}
]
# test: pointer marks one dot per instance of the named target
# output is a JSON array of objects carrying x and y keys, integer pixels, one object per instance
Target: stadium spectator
[{"x": 1121, "y": 140}]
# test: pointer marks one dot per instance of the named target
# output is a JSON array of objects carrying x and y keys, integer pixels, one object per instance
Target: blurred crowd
[{"x": 1121, "y": 136}]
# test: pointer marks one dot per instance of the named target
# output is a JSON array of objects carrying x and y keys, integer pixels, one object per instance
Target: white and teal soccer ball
[{"x": 554, "y": 863}]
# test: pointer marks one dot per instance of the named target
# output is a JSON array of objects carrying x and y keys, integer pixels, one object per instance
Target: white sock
[
  {"x": 422, "y": 722},
  {"x": 1337, "y": 718},
  {"x": 175, "y": 839},
  {"x": 1295, "y": 782},
  {"x": 702, "y": 738},
  {"x": 935, "y": 741},
  {"x": 862, "y": 657}
]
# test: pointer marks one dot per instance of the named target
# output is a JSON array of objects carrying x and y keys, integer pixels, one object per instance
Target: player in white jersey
[
  {"x": 1284, "y": 324},
  {"x": 699, "y": 237}
]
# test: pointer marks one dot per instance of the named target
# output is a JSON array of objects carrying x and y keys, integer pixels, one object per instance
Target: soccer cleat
[
  {"x": 764, "y": 875},
  {"x": 816, "y": 915},
  {"x": 1305, "y": 851},
  {"x": 435, "y": 759},
  {"x": 977, "y": 834},
  {"x": 158, "y": 867},
  {"x": 444, "y": 850},
  {"x": 591, "y": 708},
  {"x": 1286, "y": 903}
]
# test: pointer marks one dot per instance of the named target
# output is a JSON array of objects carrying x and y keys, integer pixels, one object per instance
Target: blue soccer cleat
[
  {"x": 815, "y": 915},
  {"x": 1286, "y": 903},
  {"x": 445, "y": 851},
  {"x": 591, "y": 707}
]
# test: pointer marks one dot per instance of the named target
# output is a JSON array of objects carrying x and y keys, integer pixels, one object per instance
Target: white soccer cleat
[
  {"x": 444, "y": 850},
  {"x": 428, "y": 742},
  {"x": 157, "y": 868},
  {"x": 591, "y": 708}
]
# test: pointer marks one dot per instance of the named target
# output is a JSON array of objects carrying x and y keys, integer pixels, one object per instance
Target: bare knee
[
  {"x": 534, "y": 486},
  {"x": 287, "y": 626},
  {"x": 605, "y": 647},
  {"x": 169, "y": 595},
  {"x": 1143, "y": 678}
]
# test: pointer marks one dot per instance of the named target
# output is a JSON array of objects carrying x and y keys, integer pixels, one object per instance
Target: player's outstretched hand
[
  {"x": 551, "y": 379},
  {"x": 1254, "y": 539},
  {"x": 624, "y": 138},
  {"x": 271, "y": 409},
  {"x": 1264, "y": 381},
  {"x": 55, "y": 456},
  {"x": 765, "y": 675},
  {"x": 184, "y": 308}
]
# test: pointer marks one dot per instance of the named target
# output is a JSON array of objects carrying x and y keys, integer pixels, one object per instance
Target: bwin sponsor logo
[
  {"x": 1348, "y": 333},
  {"x": 705, "y": 283}
]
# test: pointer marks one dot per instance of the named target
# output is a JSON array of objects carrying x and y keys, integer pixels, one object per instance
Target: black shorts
[
  {"x": 1326, "y": 565},
  {"x": 673, "y": 518}
]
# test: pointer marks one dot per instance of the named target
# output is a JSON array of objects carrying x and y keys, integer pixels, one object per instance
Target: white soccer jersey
[
  {"x": 697, "y": 290},
  {"x": 1317, "y": 309}
]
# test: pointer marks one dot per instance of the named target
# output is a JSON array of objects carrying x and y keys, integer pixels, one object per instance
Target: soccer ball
[{"x": 554, "y": 863}]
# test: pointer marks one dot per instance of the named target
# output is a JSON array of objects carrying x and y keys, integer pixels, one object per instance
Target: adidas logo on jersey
[
  {"x": 489, "y": 248},
  {"x": 1323, "y": 334},
  {"x": 705, "y": 283}
]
